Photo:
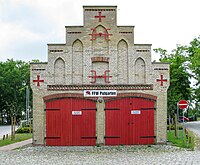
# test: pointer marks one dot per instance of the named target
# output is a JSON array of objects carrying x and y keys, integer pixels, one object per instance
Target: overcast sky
[{"x": 26, "y": 26}]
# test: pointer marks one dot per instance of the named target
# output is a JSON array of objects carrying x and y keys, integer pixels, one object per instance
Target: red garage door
[
  {"x": 70, "y": 122},
  {"x": 130, "y": 121}
]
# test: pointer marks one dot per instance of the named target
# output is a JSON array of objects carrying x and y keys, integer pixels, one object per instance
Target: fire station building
[{"x": 99, "y": 88}]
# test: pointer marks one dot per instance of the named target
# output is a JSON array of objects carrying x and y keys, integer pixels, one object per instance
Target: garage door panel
[
  {"x": 146, "y": 135},
  {"x": 113, "y": 123},
  {"x": 53, "y": 119},
  {"x": 53, "y": 134},
  {"x": 136, "y": 121},
  {"x": 78, "y": 129},
  {"x": 53, "y": 141},
  {"x": 88, "y": 123}
]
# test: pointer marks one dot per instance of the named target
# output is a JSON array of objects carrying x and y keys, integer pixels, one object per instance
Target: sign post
[
  {"x": 177, "y": 107},
  {"x": 183, "y": 105}
]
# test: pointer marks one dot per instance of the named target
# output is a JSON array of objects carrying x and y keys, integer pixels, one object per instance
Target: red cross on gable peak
[
  {"x": 100, "y": 16},
  {"x": 161, "y": 80},
  {"x": 38, "y": 81}
]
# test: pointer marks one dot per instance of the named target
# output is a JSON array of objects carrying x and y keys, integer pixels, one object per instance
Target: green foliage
[
  {"x": 185, "y": 68},
  {"x": 179, "y": 77},
  {"x": 24, "y": 130},
  {"x": 14, "y": 77},
  {"x": 183, "y": 141},
  {"x": 194, "y": 65},
  {"x": 18, "y": 138}
]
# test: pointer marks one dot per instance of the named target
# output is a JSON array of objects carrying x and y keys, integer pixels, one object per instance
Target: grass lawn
[
  {"x": 18, "y": 138},
  {"x": 182, "y": 141}
]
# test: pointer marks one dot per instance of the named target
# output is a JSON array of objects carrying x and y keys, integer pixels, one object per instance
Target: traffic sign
[{"x": 182, "y": 104}]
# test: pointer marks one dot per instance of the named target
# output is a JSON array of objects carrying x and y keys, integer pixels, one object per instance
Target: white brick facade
[{"x": 99, "y": 45}]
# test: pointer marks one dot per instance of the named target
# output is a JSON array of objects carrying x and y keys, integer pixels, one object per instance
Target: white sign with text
[
  {"x": 135, "y": 112},
  {"x": 100, "y": 93},
  {"x": 76, "y": 112}
]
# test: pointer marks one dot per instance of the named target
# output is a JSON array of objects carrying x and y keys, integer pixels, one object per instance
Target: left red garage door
[{"x": 70, "y": 122}]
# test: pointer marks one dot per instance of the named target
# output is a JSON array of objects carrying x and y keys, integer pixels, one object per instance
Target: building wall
[{"x": 99, "y": 45}]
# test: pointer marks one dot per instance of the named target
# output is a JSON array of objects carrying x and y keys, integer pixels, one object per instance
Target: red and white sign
[
  {"x": 100, "y": 93},
  {"x": 182, "y": 104}
]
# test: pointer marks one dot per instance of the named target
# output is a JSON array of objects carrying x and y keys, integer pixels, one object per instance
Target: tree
[
  {"x": 179, "y": 77},
  {"x": 14, "y": 77},
  {"x": 193, "y": 51}
]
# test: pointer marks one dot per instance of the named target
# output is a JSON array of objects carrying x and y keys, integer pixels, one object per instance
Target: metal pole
[
  {"x": 183, "y": 123},
  {"x": 27, "y": 103},
  {"x": 177, "y": 120}
]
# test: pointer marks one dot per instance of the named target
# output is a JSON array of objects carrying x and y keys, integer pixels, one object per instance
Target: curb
[{"x": 16, "y": 145}]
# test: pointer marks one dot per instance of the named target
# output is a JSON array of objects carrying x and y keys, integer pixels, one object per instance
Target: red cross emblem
[
  {"x": 38, "y": 81},
  {"x": 105, "y": 76},
  {"x": 100, "y": 16},
  {"x": 161, "y": 80},
  {"x": 95, "y": 34}
]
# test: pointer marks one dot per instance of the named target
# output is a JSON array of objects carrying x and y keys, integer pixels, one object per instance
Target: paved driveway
[
  {"x": 194, "y": 127},
  {"x": 119, "y": 155},
  {"x": 5, "y": 130}
]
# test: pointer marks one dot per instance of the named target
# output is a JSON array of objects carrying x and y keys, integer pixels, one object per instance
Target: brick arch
[
  {"x": 122, "y": 41},
  {"x": 139, "y": 95},
  {"x": 66, "y": 95},
  {"x": 77, "y": 45},
  {"x": 80, "y": 96}
]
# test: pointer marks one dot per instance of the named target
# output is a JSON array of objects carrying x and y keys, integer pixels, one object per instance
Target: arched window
[
  {"x": 122, "y": 62},
  {"x": 59, "y": 71},
  {"x": 77, "y": 62},
  {"x": 140, "y": 71}
]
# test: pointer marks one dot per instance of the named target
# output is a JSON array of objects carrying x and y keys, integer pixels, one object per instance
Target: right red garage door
[{"x": 129, "y": 121}]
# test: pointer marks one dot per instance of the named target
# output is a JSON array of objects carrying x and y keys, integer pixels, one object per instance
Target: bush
[
  {"x": 25, "y": 123},
  {"x": 24, "y": 130}
]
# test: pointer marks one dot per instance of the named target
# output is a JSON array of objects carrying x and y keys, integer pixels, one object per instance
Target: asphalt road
[
  {"x": 5, "y": 130},
  {"x": 194, "y": 127}
]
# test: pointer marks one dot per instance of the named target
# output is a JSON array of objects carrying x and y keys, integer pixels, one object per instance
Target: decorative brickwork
[
  {"x": 125, "y": 32},
  {"x": 99, "y": 87},
  {"x": 142, "y": 50},
  {"x": 100, "y": 55},
  {"x": 56, "y": 51},
  {"x": 73, "y": 32},
  {"x": 99, "y": 9},
  {"x": 100, "y": 59}
]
